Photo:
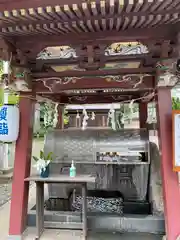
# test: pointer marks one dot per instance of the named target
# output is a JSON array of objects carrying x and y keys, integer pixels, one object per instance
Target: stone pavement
[
  {"x": 76, "y": 235},
  {"x": 4, "y": 221},
  {"x": 5, "y": 211},
  {"x": 5, "y": 193}
]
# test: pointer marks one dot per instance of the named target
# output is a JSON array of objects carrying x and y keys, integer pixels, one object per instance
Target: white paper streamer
[
  {"x": 55, "y": 120},
  {"x": 93, "y": 116},
  {"x": 77, "y": 116},
  {"x": 85, "y": 119},
  {"x": 111, "y": 117}
]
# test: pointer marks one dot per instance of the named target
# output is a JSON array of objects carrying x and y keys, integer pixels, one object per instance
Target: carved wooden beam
[
  {"x": 148, "y": 70},
  {"x": 97, "y": 98},
  {"x": 102, "y": 60},
  {"x": 26, "y": 43},
  {"x": 154, "y": 48},
  {"x": 126, "y": 82}
]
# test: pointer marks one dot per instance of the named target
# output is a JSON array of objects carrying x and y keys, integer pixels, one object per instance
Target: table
[{"x": 78, "y": 179}]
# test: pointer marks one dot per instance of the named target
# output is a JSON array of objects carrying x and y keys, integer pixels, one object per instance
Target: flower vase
[{"x": 45, "y": 174}]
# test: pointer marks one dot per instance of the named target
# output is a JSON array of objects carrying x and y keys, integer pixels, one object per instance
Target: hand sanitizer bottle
[{"x": 72, "y": 170}]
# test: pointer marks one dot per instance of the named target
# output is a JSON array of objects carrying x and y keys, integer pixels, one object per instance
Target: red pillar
[
  {"x": 143, "y": 114},
  {"x": 170, "y": 181},
  {"x": 20, "y": 189}
]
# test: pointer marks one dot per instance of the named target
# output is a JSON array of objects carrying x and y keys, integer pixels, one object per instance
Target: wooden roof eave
[
  {"x": 25, "y": 4},
  {"x": 87, "y": 17},
  {"x": 144, "y": 5},
  {"x": 76, "y": 10}
]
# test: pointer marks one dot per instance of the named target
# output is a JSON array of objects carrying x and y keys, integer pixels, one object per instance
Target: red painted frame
[{"x": 174, "y": 113}]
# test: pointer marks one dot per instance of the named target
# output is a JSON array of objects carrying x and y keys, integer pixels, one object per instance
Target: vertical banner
[
  {"x": 176, "y": 139},
  {"x": 9, "y": 123}
]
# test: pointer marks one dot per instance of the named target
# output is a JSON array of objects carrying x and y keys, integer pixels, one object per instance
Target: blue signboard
[{"x": 3, "y": 121}]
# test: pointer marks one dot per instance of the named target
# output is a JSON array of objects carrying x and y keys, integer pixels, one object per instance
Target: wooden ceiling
[
  {"x": 84, "y": 17},
  {"x": 88, "y": 28}
]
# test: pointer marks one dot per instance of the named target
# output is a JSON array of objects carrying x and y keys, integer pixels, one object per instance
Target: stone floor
[
  {"x": 76, "y": 235},
  {"x": 5, "y": 193}
]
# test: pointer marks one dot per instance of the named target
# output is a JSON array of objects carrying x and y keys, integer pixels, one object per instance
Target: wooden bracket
[{"x": 6, "y": 50}]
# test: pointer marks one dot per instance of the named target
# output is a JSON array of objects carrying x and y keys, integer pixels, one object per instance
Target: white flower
[{"x": 41, "y": 164}]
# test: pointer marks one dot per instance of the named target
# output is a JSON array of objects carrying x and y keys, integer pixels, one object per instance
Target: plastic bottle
[{"x": 72, "y": 170}]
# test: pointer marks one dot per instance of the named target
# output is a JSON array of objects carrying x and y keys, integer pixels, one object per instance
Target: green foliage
[
  {"x": 1, "y": 68},
  {"x": 47, "y": 157},
  {"x": 66, "y": 117},
  {"x": 35, "y": 158},
  {"x": 175, "y": 103}
]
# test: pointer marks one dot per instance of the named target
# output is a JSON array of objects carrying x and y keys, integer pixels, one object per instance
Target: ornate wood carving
[
  {"x": 57, "y": 84},
  {"x": 81, "y": 99},
  {"x": 104, "y": 37},
  {"x": 100, "y": 98},
  {"x": 167, "y": 73},
  {"x": 130, "y": 48},
  {"x": 20, "y": 79},
  {"x": 62, "y": 52}
]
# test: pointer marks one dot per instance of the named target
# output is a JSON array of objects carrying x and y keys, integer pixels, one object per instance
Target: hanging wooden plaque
[{"x": 176, "y": 139}]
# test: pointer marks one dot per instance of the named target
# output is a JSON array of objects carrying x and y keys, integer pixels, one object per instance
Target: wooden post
[
  {"x": 170, "y": 181},
  {"x": 20, "y": 189},
  {"x": 84, "y": 210},
  {"x": 143, "y": 114},
  {"x": 60, "y": 123}
]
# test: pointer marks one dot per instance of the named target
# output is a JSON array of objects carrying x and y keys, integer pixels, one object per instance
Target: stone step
[
  {"x": 63, "y": 225},
  {"x": 110, "y": 222}
]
